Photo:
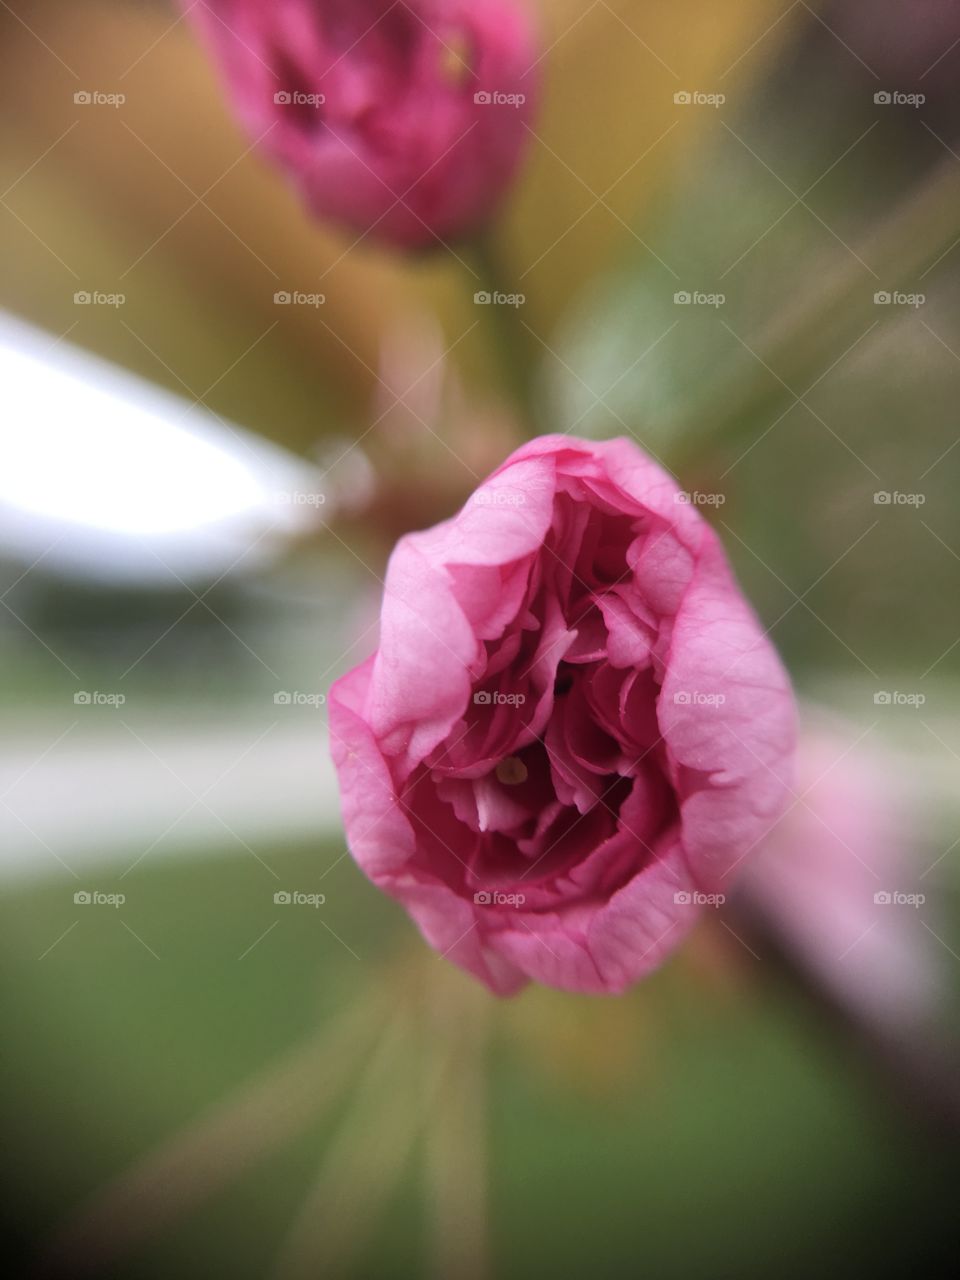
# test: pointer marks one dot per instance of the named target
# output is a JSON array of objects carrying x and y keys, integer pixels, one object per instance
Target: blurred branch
[
  {"x": 834, "y": 315},
  {"x": 919, "y": 1065},
  {"x": 210, "y": 1153},
  {"x": 456, "y": 1157},
  {"x": 519, "y": 354},
  {"x": 361, "y": 1165}
]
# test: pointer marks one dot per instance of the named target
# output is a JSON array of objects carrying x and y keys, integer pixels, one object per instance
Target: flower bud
[{"x": 404, "y": 120}]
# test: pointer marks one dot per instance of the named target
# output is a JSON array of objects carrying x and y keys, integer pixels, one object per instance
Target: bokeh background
[{"x": 199, "y": 487}]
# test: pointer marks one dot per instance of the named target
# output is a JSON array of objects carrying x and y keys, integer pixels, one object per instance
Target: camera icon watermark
[
  {"x": 896, "y": 98},
  {"x": 494, "y": 898},
  {"x": 894, "y": 498},
  {"x": 697, "y": 298},
  {"x": 301, "y": 498},
  {"x": 896, "y": 698},
  {"x": 894, "y": 898},
  {"x": 695, "y": 698},
  {"x": 296, "y": 98},
  {"x": 94, "y": 898},
  {"x": 95, "y": 98},
  {"x": 897, "y": 298},
  {"x": 84, "y": 698},
  {"x": 695, "y": 498},
  {"x": 294, "y": 898},
  {"x": 494, "y": 98},
  {"x": 484, "y": 298},
  {"x": 297, "y": 699},
  {"x": 486, "y": 698},
  {"x": 499, "y": 498},
  {"x": 95, "y": 298},
  {"x": 696, "y": 98},
  {"x": 297, "y": 298}
]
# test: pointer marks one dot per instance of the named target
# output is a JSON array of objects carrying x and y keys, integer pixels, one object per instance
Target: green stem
[{"x": 516, "y": 347}]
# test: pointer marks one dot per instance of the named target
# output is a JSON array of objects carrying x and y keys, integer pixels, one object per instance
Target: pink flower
[
  {"x": 837, "y": 881},
  {"x": 574, "y": 728},
  {"x": 401, "y": 118}
]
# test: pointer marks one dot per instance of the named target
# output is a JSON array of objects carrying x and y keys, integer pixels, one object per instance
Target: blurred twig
[
  {"x": 361, "y": 1165},
  {"x": 519, "y": 354},
  {"x": 918, "y": 1062},
  {"x": 425, "y": 1074},
  {"x": 214, "y": 1151},
  {"x": 825, "y": 323},
  {"x": 456, "y": 1154}
]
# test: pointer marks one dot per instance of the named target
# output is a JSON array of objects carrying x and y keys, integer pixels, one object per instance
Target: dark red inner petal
[{"x": 555, "y": 783}]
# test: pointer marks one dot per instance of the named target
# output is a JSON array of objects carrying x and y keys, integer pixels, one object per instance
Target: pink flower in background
[
  {"x": 404, "y": 118},
  {"x": 838, "y": 881},
  {"x": 574, "y": 728}
]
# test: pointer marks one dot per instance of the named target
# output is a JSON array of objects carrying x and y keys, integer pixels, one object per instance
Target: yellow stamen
[
  {"x": 455, "y": 60},
  {"x": 512, "y": 771}
]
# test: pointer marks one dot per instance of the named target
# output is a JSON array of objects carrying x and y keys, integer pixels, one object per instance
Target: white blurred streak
[
  {"x": 101, "y": 800},
  {"x": 105, "y": 475}
]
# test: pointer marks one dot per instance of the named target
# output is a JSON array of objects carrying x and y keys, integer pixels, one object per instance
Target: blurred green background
[{"x": 205, "y": 1081}]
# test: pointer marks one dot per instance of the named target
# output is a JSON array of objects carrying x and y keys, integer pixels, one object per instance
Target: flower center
[
  {"x": 455, "y": 61},
  {"x": 512, "y": 771}
]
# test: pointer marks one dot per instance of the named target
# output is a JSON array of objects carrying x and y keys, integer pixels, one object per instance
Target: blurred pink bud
[
  {"x": 837, "y": 881},
  {"x": 404, "y": 118}
]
